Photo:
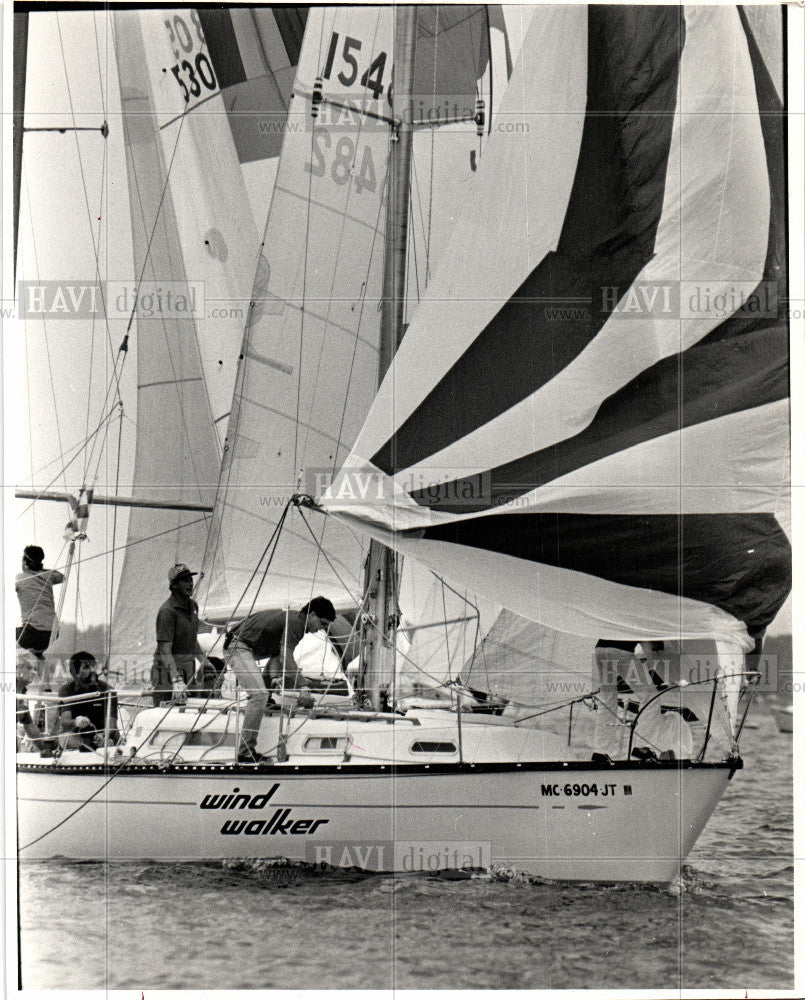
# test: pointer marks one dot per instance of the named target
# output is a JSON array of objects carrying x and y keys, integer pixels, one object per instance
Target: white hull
[{"x": 627, "y": 822}]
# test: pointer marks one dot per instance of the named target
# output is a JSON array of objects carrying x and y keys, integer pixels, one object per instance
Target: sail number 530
[{"x": 343, "y": 161}]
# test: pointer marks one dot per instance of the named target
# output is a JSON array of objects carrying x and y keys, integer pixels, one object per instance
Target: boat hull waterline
[{"x": 631, "y": 822}]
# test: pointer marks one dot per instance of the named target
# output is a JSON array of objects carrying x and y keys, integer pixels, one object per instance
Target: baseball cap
[{"x": 179, "y": 570}]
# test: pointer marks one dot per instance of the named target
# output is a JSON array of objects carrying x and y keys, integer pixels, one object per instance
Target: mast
[
  {"x": 379, "y": 632},
  {"x": 20, "y": 71}
]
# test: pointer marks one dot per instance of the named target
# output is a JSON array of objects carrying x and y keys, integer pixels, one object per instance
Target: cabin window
[
  {"x": 327, "y": 743},
  {"x": 203, "y": 739},
  {"x": 433, "y": 746},
  {"x": 194, "y": 739}
]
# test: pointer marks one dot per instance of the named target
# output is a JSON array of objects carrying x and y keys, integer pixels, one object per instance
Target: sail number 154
[{"x": 372, "y": 78}]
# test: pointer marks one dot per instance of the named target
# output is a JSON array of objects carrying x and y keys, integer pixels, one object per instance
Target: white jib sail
[{"x": 309, "y": 358}]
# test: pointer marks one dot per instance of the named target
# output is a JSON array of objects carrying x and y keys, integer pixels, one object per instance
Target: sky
[{"x": 74, "y": 224}]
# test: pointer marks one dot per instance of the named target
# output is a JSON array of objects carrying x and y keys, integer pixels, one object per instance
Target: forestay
[{"x": 589, "y": 442}]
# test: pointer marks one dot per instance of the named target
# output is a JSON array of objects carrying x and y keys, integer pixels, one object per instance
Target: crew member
[
  {"x": 24, "y": 718},
  {"x": 270, "y": 635},
  {"x": 174, "y": 667},
  {"x": 82, "y": 724},
  {"x": 612, "y": 661},
  {"x": 34, "y": 586}
]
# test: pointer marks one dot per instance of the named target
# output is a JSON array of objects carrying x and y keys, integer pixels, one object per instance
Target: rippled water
[{"x": 728, "y": 924}]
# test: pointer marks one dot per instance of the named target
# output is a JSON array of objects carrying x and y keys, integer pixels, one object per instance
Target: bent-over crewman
[{"x": 263, "y": 635}]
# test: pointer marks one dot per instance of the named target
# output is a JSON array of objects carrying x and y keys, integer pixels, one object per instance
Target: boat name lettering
[
  {"x": 574, "y": 788},
  {"x": 281, "y": 822},
  {"x": 238, "y": 800}
]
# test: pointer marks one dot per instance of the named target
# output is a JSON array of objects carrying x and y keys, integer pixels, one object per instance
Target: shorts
[{"x": 34, "y": 639}]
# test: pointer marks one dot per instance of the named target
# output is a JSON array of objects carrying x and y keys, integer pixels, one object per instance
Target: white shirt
[{"x": 316, "y": 657}]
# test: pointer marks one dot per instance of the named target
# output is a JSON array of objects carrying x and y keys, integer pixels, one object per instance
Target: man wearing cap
[{"x": 177, "y": 638}]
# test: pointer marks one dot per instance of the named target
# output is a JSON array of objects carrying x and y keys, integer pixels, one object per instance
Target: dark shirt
[
  {"x": 177, "y": 623},
  {"x": 94, "y": 709},
  {"x": 343, "y": 634},
  {"x": 264, "y": 631},
  {"x": 23, "y": 713}
]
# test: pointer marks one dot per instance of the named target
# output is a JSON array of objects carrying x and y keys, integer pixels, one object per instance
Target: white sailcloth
[
  {"x": 309, "y": 356},
  {"x": 218, "y": 238},
  {"x": 309, "y": 360},
  {"x": 176, "y": 452}
]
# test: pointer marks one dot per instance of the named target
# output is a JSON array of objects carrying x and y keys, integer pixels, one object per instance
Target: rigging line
[
  {"x": 273, "y": 538},
  {"x": 437, "y": 682},
  {"x": 446, "y": 630},
  {"x": 101, "y": 451},
  {"x": 110, "y": 617},
  {"x": 113, "y": 382},
  {"x": 100, "y": 70},
  {"x": 416, "y": 190},
  {"x": 28, "y": 408},
  {"x": 104, "y": 169},
  {"x": 429, "y": 231},
  {"x": 95, "y": 246},
  {"x": 44, "y": 328},
  {"x": 270, "y": 559},
  {"x": 42, "y": 492},
  {"x": 90, "y": 480},
  {"x": 78, "y": 610},
  {"x": 147, "y": 538},
  {"x": 411, "y": 252},
  {"x": 328, "y": 560},
  {"x": 303, "y": 310}
]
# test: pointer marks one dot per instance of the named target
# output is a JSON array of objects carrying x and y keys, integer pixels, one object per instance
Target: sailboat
[{"x": 549, "y": 433}]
